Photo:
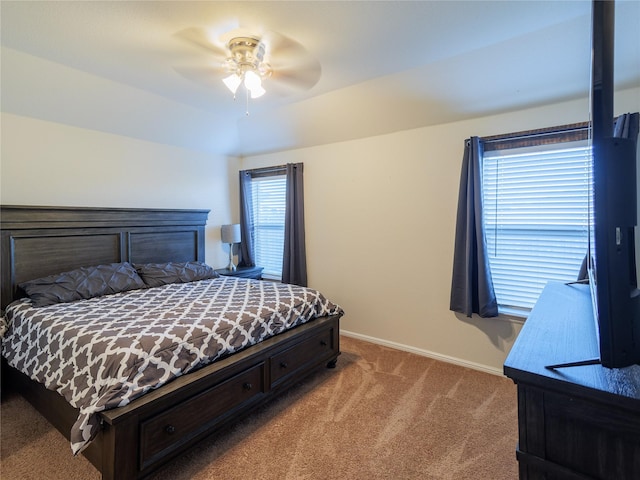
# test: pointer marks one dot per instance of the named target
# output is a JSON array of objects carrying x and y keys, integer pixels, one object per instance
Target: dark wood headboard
[{"x": 40, "y": 241}]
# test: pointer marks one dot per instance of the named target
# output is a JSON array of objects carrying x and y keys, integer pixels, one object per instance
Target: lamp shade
[
  {"x": 253, "y": 83},
  {"x": 231, "y": 233},
  {"x": 232, "y": 82}
]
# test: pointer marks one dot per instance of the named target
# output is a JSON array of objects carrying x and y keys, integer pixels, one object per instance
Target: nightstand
[{"x": 243, "y": 272}]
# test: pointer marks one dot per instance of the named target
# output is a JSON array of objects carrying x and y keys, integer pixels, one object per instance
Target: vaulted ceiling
[{"x": 385, "y": 66}]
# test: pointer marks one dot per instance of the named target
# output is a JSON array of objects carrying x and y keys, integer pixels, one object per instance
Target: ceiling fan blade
[
  {"x": 207, "y": 76},
  {"x": 292, "y": 65},
  {"x": 292, "y": 81},
  {"x": 277, "y": 44},
  {"x": 205, "y": 40}
]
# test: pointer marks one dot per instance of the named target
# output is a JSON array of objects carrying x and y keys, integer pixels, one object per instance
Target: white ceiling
[{"x": 386, "y": 66}]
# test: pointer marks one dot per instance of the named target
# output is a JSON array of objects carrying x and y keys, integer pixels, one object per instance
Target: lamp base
[{"x": 232, "y": 266}]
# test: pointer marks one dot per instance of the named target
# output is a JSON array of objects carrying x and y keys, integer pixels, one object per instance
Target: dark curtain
[
  {"x": 246, "y": 221},
  {"x": 294, "y": 264},
  {"x": 471, "y": 286},
  {"x": 624, "y": 126}
]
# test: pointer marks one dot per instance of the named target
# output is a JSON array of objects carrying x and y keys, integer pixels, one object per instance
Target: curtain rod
[
  {"x": 527, "y": 134},
  {"x": 266, "y": 170}
]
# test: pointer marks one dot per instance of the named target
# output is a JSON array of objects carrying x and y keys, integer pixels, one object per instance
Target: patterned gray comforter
[{"x": 104, "y": 352}]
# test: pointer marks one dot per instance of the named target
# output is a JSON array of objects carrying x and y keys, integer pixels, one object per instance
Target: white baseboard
[{"x": 425, "y": 353}]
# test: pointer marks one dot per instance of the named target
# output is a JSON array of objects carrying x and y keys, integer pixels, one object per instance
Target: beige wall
[
  {"x": 45, "y": 163},
  {"x": 380, "y": 222}
]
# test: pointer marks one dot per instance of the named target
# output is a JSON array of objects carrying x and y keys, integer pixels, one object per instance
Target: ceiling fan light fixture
[
  {"x": 246, "y": 66},
  {"x": 253, "y": 83},
  {"x": 257, "y": 92},
  {"x": 232, "y": 82}
]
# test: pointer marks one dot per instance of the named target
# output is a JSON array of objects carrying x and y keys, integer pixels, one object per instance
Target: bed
[{"x": 132, "y": 439}]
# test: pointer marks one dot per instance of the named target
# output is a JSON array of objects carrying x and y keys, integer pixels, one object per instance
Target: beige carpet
[{"x": 381, "y": 414}]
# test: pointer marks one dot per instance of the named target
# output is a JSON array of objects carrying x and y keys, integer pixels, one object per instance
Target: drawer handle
[
  {"x": 284, "y": 364},
  {"x": 170, "y": 429},
  {"x": 323, "y": 343},
  {"x": 247, "y": 386}
]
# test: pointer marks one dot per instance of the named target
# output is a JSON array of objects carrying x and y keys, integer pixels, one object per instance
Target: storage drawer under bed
[
  {"x": 301, "y": 356},
  {"x": 172, "y": 428}
]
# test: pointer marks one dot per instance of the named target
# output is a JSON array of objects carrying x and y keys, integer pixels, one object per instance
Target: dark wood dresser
[{"x": 578, "y": 423}]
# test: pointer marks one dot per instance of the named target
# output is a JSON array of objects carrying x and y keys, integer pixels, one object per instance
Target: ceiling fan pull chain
[{"x": 247, "y": 110}]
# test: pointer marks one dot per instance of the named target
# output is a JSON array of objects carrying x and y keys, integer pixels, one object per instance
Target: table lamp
[{"x": 231, "y": 234}]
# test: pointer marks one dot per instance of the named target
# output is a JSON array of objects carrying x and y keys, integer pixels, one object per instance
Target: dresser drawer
[
  {"x": 172, "y": 428},
  {"x": 305, "y": 354}
]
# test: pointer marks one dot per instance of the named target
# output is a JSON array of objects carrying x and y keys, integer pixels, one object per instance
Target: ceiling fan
[{"x": 259, "y": 63}]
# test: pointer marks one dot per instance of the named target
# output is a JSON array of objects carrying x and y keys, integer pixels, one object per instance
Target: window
[
  {"x": 536, "y": 216},
  {"x": 268, "y": 194}
]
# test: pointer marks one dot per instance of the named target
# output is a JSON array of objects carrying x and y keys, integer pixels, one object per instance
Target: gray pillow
[
  {"x": 82, "y": 283},
  {"x": 157, "y": 274}
]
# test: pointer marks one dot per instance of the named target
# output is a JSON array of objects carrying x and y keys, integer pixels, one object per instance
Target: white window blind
[
  {"x": 536, "y": 212},
  {"x": 269, "y": 196}
]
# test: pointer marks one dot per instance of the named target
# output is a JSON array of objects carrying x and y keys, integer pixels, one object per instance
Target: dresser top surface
[{"x": 561, "y": 329}]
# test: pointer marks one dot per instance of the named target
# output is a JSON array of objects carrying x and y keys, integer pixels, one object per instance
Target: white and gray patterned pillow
[
  {"x": 82, "y": 283},
  {"x": 158, "y": 274}
]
